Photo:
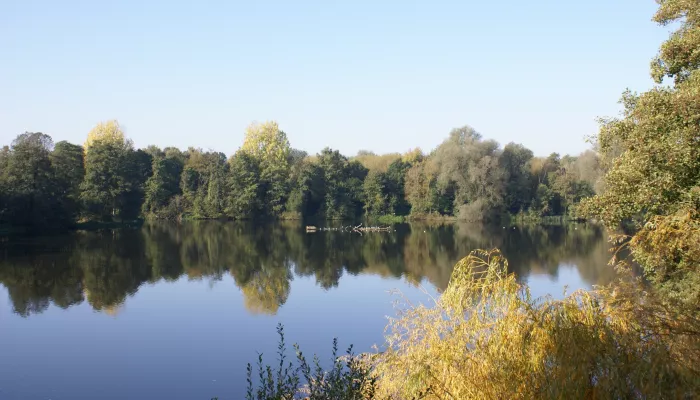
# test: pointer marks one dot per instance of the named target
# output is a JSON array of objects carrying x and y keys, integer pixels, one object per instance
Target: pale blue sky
[{"x": 379, "y": 75}]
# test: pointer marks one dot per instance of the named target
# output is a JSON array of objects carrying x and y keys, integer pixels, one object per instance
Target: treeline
[
  {"x": 105, "y": 268},
  {"x": 107, "y": 179}
]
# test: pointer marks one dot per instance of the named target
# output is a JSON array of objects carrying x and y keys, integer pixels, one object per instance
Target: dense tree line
[{"x": 107, "y": 179}]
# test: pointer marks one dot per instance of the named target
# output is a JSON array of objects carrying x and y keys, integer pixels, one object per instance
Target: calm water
[{"x": 176, "y": 312}]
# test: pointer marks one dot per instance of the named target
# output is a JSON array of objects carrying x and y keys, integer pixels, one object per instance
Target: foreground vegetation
[
  {"x": 487, "y": 337},
  {"x": 107, "y": 180}
]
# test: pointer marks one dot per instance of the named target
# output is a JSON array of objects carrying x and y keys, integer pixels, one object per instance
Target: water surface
[{"x": 176, "y": 311}]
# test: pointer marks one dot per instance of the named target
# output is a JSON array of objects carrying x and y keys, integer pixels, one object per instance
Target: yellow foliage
[
  {"x": 266, "y": 291},
  {"x": 267, "y": 143},
  {"x": 374, "y": 162},
  {"x": 671, "y": 244},
  {"x": 108, "y": 131},
  {"x": 486, "y": 338},
  {"x": 413, "y": 156}
]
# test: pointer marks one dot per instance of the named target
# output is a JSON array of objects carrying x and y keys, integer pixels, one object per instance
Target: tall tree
[
  {"x": 376, "y": 201},
  {"x": 306, "y": 189},
  {"x": 4, "y": 187},
  {"x": 162, "y": 186},
  {"x": 67, "y": 161},
  {"x": 421, "y": 187},
  {"x": 515, "y": 162},
  {"x": 342, "y": 185},
  {"x": 245, "y": 199},
  {"x": 109, "y": 174},
  {"x": 204, "y": 184},
  {"x": 270, "y": 146},
  {"x": 654, "y": 181},
  {"x": 471, "y": 165},
  {"x": 396, "y": 190},
  {"x": 678, "y": 56},
  {"x": 33, "y": 198}
]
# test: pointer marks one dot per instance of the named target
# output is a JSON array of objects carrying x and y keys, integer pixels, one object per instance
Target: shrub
[{"x": 486, "y": 337}]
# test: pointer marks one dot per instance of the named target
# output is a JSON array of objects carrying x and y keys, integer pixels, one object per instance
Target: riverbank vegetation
[
  {"x": 107, "y": 180},
  {"x": 487, "y": 337}
]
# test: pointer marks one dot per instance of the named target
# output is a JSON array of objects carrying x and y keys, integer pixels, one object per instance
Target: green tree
[
  {"x": 67, "y": 162},
  {"x": 471, "y": 166},
  {"x": 375, "y": 189},
  {"x": 342, "y": 185},
  {"x": 269, "y": 145},
  {"x": 547, "y": 200},
  {"x": 32, "y": 197},
  {"x": 245, "y": 200},
  {"x": 4, "y": 187},
  {"x": 306, "y": 188},
  {"x": 396, "y": 187},
  {"x": 162, "y": 186},
  {"x": 515, "y": 162},
  {"x": 204, "y": 184},
  {"x": 678, "y": 57},
  {"x": 653, "y": 182},
  {"x": 137, "y": 170},
  {"x": 567, "y": 187},
  {"x": 114, "y": 176}
]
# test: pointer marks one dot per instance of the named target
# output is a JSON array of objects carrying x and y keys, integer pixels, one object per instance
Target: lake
[{"x": 176, "y": 311}]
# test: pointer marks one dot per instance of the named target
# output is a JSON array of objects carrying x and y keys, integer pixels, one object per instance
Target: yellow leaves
[
  {"x": 413, "y": 156},
  {"x": 374, "y": 162},
  {"x": 486, "y": 338},
  {"x": 266, "y": 291},
  {"x": 108, "y": 131},
  {"x": 267, "y": 143}
]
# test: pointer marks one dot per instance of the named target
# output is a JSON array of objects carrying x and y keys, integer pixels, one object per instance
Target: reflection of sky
[
  {"x": 180, "y": 340},
  {"x": 192, "y": 339},
  {"x": 567, "y": 277}
]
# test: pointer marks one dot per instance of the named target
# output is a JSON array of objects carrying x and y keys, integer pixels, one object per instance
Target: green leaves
[
  {"x": 111, "y": 181},
  {"x": 679, "y": 56},
  {"x": 32, "y": 194},
  {"x": 653, "y": 158}
]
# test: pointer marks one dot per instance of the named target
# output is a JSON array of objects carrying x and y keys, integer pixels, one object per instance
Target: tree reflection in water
[{"x": 105, "y": 268}]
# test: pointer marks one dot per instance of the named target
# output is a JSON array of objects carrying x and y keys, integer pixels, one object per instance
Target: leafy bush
[{"x": 486, "y": 337}]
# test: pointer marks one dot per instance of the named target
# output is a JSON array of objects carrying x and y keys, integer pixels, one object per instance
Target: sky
[{"x": 385, "y": 76}]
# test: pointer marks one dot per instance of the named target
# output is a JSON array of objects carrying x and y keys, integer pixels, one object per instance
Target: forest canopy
[
  {"x": 107, "y": 179},
  {"x": 466, "y": 177}
]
